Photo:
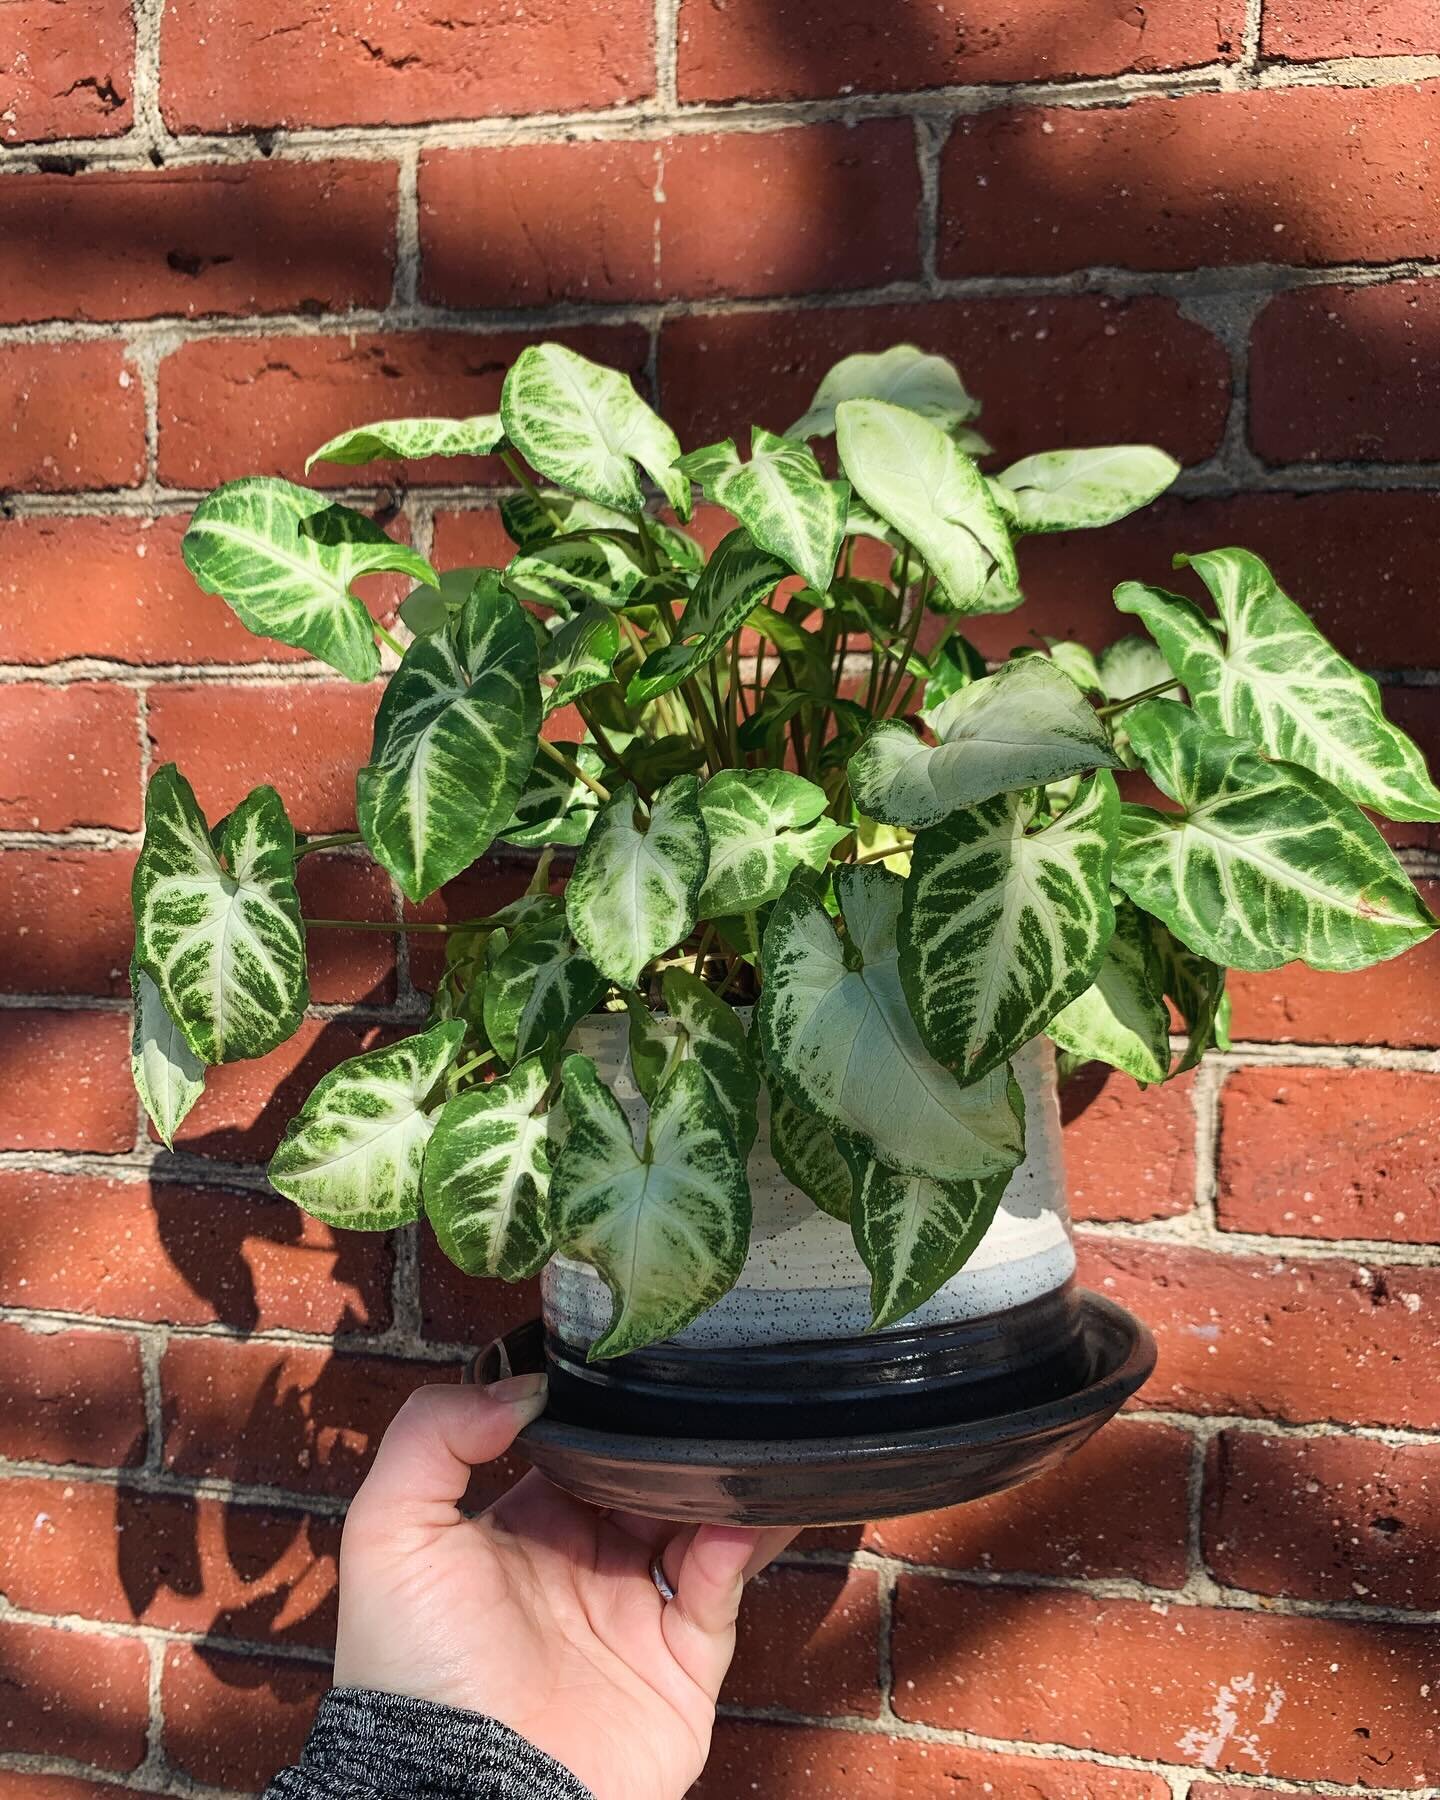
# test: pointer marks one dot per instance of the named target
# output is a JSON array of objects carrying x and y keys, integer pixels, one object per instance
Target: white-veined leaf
[
  {"x": 169, "y": 1077},
  {"x": 1023, "y": 726},
  {"x": 585, "y": 426},
  {"x": 1069, "y": 490},
  {"x": 763, "y": 824},
  {"x": 217, "y": 920},
  {"x": 1129, "y": 666},
  {"x": 538, "y": 987},
  {"x": 1121, "y": 1018},
  {"x": 285, "y": 559},
  {"x": 570, "y": 573},
  {"x": 839, "y": 1036},
  {"x": 411, "y": 439},
  {"x": 736, "y": 579},
  {"x": 914, "y": 1234},
  {"x": 553, "y": 807},
  {"x": 1196, "y": 987},
  {"x": 666, "y": 1227},
  {"x": 1002, "y": 926},
  {"x": 455, "y": 736},
  {"x": 637, "y": 878},
  {"x": 578, "y": 657},
  {"x": 487, "y": 1175},
  {"x": 780, "y": 496},
  {"x": 1267, "y": 863},
  {"x": 809, "y": 1154},
  {"x": 697, "y": 1027},
  {"x": 353, "y": 1153},
  {"x": 902, "y": 375}
]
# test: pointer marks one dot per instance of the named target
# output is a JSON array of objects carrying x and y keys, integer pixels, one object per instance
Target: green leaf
[
  {"x": 1067, "y": 490},
  {"x": 763, "y": 824},
  {"x": 428, "y": 609},
  {"x": 1024, "y": 726},
  {"x": 1078, "y": 662},
  {"x": 914, "y": 1234},
  {"x": 285, "y": 561},
  {"x": 636, "y": 881},
  {"x": 809, "y": 1155},
  {"x": 168, "y": 1076},
  {"x": 781, "y": 497},
  {"x": 838, "y": 1034},
  {"x": 412, "y": 439},
  {"x": 569, "y": 573},
  {"x": 1121, "y": 1018},
  {"x": 911, "y": 474},
  {"x": 1266, "y": 863},
  {"x": 1277, "y": 682},
  {"x": 455, "y": 736},
  {"x": 580, "y": 656},
  {"x": 697, "y": 1027},
  {"x": 585, "y": 427},
  {"x": 1196, "y": 987},
  {"x": 352, "y": 1155},
  {"x": 667, "y": 1227},
  {"x": 553, "y": 807},
  {"x": 487, "y": 1176},
  {"x": 1129, "y": 666},
  {"x": 1002, "y": 926},
  {"x": 737, "y": 578},
  {"x": 956, "y": 663},
  {"x": 903, "y": 375},
  {"x": 538, "y": 988},
  {"x": 217, "y": 920}
]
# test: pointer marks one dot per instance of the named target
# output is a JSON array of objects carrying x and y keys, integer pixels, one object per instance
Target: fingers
[{"x": 699, "y": 1623}]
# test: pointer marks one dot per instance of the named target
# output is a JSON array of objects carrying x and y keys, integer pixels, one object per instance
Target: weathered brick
[
  {"x": 1267, "y": 1338},
  {"x": 71, "y": 416},
  {"x": 691, "y": 217},
  {"x": 233, "y": 1720},
  {"x": 202, "y": 238},
  {"x": 73, "y": 1694},
  {"x": 1309, "y": 175},
  {"x": 1129, "y": 1151},
  {"x": 65, "y": 921},
  {"x": 347, "y": 966},
  {"x": 1309, "y": 30},
  {"x": 1306, "y": 1698},
  {"x": 749, "y": 50},
  {"x": 1077, "y": 369},
  {"x": 71, "y": 1397},
  {"x": 1330, "y": 1153},
  {"x": 186, "y": 1255},
  {"x": 1329, "y": 1518},
  {"x": 72, "y": 756},
  {"x": 66, "y": 1077},
  {"x": 466, "y": 539},
  {"x": 809, "y": 1641},
  {"x": 65, "y": 71},
  {"x": 239, "y": 66},
  {"x": 1342, "y": 374}
]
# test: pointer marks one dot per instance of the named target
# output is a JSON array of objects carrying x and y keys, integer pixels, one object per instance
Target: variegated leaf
[
  {"x": 538, "y": 987},
  {"x": 1002, "y": 925},
  {"x": 217, "y": 920},
  {"x": 169, "y": 1077},
  {"x": 568, "y": 574},
  {"x": 667, "y": 1226},
  {"x": 1266, "y": 863},
  {"x": 411, "y": 439},
  {"x": 763, "y": 824},
  {"x": 285, "y": 560},
  {"x": 914, "y": 1234},
  {"x": 1121, "y": 1018},
  {"x": 781, "y": 497},
  {"x": 809, "y": 1154},
  {"x": 838, "y": 1034},
  {"x": 1068, "y": 490},
  {"x": 553, "y": 807},
  {"x": 455, "y": 736},
  {"x": 353, "y": 1153},
  {"x": 736, "y": 579},
  {"x": 1129, "y": 666},
  {"x": 1196, "y": 988},
  {"x": 697, "y": 1026},
  {"x": 901, "y": 375},
  {"x": 579, "y": 656}
]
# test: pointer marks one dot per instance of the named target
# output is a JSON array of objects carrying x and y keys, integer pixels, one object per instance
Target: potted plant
[{"x": 768, "y": 1091}]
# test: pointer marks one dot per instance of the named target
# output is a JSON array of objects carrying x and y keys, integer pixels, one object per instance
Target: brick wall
[{"x": 230, "y": 229}]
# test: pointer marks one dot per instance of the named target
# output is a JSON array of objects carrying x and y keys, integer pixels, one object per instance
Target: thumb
[{"x": 699, "y": 1623}]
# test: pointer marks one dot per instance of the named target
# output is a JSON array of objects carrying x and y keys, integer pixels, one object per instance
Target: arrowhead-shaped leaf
[
  {"x": 781, "y": 497},
  {"x": 570, "y": 573},
  {"x": 839, "y": 1036},
  {"x": 1121, "y": 1018},
  {"x": 666, "y": 1227},
  {"x": 914, "y": 1234},
  {"x": 901, "y": 375},
  {"x": 487, "y": 1176},
  {"x": 217, "y": 920},
  {"x": 1024, "y": 726},
  {"x": 352, "y": 1155},
  {"x": 285, "y": 560},
  {"x": 455, "y": 736},
  {"x": 578, "y": 657},
  {"x": 553, "y": 807},
  {"x": 763, "y": 824},
  {"x": 169, "y": 1077},
  {"x": 411, "y": 439},
  {"x": 1002, "y": 926},
  {"x": 736, "y": 579},
  {"x": 697, "y": 1027},
  {"x": 1266, "y": 863},
  {"x": 538, "y": 987},
  {"x": 1068, "y": 490}
]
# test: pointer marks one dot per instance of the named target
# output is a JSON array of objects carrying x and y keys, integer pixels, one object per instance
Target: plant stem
[
  {"x": 882, "y": 855},
  {"x": 469, "y": 1068},
  {"x": 333, "y": 842},
  {"x": 387, "y": 638},
  {"x": 706, "y": 938},
  {"x": 907, "y": 650},
  {"x": 1160, "y": 687},
  {"x": 508, "y": 458},
  {"x": 390, "y": 925},
  {"x": 574, "y": 770}
]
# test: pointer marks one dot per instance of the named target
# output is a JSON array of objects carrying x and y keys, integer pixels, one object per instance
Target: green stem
[
  {"x": 1160, "y": 687},
  {"x": 647, "y": 544},
  {"x": 333, "y": 842},
  {"x": 469, "y": 1068},
  {"x": 907, "y": 650},
  {"x": 508, "y": 458},
  {"x": 388, "y": 639},
  {"x": 389, "y": 925},
  {"x": 574, "y": 770},
  {"x": 706, "y": 938}
]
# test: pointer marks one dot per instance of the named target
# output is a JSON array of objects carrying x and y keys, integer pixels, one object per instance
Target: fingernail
[{"x": 524, "y": 1394}]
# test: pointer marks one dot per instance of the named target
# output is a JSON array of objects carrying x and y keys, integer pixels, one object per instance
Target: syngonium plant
[{"x": 759, "y": 816}]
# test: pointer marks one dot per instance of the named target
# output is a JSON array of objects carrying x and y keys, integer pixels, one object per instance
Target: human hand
[{"x": 541, "y": 1612}]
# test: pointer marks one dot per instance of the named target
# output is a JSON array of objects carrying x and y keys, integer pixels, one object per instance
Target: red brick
[
  {"x": 1209, "y": 1790},
  {"x": 71, "y": 1397},
  {"x": 348, "y": 966},
  {"x": 1306, "y": 1698},
  {"x": 72, "y": 757},
  {"x": 749, "y": 1758},
  {"x": 1347, "y": 374},
  {"x": 484, "y": 888},
  {"x": 1328, "y": 1518},
  {"x": 71, "y": 416},
  {"x": 460, "y": 1309},
  {"x": 234, "y": 1721},
  {"x": 1310, "y": 30},
  {"x": 65, "y": 921},
  {"x": 179, "y": 1562},
  {"x": 186, "y": 1255},
  {"x": 809, "y": 1640},
  {"x": 17, "y": 1786},
  {"x": 1415, "y": 710},
  {"x": 1129, "y": 1151},
  {"x": 470, "y": 539},
  {"x": 749, "y": 49},
  {"x": 64, "y": 1693},
  {"x": 1330, "y": 1153},
  {"x": 222, "y": 238},
  {"x": 692, "y": 217},
  {"x": 66, "y": 1079},
  {"x": 1077, "y": 369},
  {"x": 238, "y": 65},
  {"x": 280, "y": 1416},
  {"x": 1269, "y": 1338},
  {"x": 65, "y": 71},
  {"x": 1308, "y": 175},
  {"x": 259, "y": 406},
  {"x": 1117, "y": 1508}
]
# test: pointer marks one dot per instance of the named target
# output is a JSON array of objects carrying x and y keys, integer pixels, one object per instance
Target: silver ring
[{"x": 657, "y": 1575}]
